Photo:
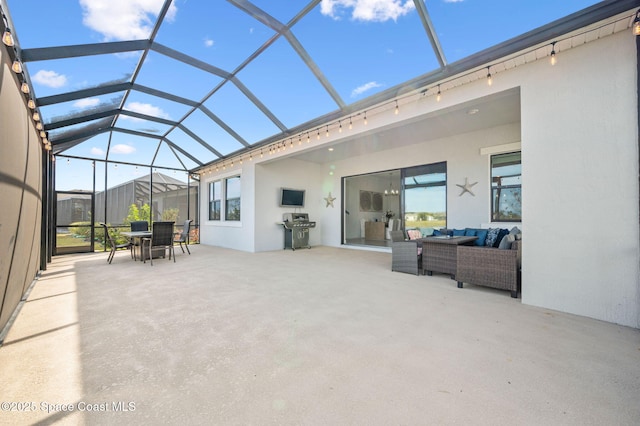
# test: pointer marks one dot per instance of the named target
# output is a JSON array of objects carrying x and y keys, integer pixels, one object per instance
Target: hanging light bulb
[
  {"x": 39, "y": 126},
  {"x": 43, "y": 134},
  {"x": 327, "y": 134},
  {"x": 340, "y": 128},
  {"x": 318, "y": 135},
  {"x": 261, "y": 154},
  {"x": 489, "y": 77},
  {"x": 299, "y": 139},
  {"x": 636, "y": 24},
  {"x": 250, "y": 157},
  {"x": 553, "y": 53},
  {"x": 308, "y": 138},
  {"x": 350, "y": 123},
  {"x": 16, "y": 66},
  {"x": 396, "y": 110},
  {"x": 25, "y": 88},
  {"x": 31, "y": 104},
  {"x": 365, "y": 118},
  {"x": 7, "y": 38},
  {"x": 439, "y": 95},
  {"x": 36, "y": 116}
]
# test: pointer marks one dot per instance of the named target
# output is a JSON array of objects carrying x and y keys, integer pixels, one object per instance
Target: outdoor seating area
[
  {"x": 148, "y": 244},
  {"x": 483, "y": 257}
]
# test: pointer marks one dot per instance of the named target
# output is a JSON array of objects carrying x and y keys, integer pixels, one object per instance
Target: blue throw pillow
[
  {"x": 470, "y": 232},
  {"x": 458, "y": 232},
  {"x": 492, "y": 236},
  {"x": 482, "y": 237},
  {"x": 436, "y": 232}
]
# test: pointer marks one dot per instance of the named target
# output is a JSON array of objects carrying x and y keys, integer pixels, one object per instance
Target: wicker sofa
[{"x": 490, "y": 267}]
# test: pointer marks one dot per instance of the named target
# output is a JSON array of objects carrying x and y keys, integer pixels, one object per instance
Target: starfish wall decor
[
  {"x": 329, "y": 199},
  {"x": 466, "y": 187}
]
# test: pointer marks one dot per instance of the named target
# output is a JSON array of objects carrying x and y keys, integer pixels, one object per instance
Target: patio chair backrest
[
  {"x": 139, "y": 225},
  {"x": 184, "y": 235},
  {"x": 162, "y": 234}
]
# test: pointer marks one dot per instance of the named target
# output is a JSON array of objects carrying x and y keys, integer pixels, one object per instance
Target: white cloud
[
  {"x": 97, "y": 151},
  {"x": 367, "y": 10},
  {"x": 146, "y": 109},
  {"x": 208, "y": 42},
  {"x": 87, "y": 103},
  {"x": 50, "y": 78},
  {"x": 123, "y": 19},
  {"x": 364, "y": 88},
  {"x": 122, "y": 149}
]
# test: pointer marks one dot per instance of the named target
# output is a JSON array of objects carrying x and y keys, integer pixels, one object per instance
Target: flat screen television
[{"x": 291, "y": 197}]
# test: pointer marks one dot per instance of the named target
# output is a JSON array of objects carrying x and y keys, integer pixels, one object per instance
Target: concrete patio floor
[{"x": 319, "y": 336}]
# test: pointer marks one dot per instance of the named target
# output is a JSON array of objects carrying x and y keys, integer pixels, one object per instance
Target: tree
[{"x": 135, "y": 214}]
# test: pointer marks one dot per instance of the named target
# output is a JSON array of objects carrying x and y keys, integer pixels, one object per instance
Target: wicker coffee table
[{"x": 440, "y": 254}]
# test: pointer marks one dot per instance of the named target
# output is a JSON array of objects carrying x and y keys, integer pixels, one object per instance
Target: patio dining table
[{"x": 137, "y": 237}]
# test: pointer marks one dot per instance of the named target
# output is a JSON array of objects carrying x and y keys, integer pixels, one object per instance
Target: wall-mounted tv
[{"x": 291, "y": 197}]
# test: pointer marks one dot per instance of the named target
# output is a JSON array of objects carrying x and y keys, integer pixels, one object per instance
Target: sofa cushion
[
  {"x": 458, "y": 232},
  {"x": 492, "y": 236},
  {"x": 505, "y": 244},
  {"x": 470, "y": 232},
  {"x": 482, "y": 237}
]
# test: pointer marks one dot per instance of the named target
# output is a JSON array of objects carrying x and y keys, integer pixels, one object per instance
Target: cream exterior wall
[{"x": 579, "y": 140}]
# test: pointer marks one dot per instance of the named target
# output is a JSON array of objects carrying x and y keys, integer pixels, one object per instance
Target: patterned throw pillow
[
  {"x": 414, "y": 234},
  {"x": 492, "y": 236}
]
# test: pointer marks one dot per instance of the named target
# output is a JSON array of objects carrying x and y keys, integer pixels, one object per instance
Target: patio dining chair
[
  {"x": 183, "y": 237},
  {"x": 406, "y": 255},
  {"x": 161, "y": 238},
  {"x": 109, "y": 238}
]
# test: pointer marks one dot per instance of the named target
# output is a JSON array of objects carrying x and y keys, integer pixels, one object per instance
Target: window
[
  {"x": 215, "y": 196},
  {"x": 506, "y": 187},
  {"x": 232, "y": 196},
  {"x": 425, "y": 196}
]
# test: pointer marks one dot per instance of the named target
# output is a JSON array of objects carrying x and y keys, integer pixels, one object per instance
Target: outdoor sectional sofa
[
  {"x": 491, "y": 260},
  {"x": 490, "y": 267}
]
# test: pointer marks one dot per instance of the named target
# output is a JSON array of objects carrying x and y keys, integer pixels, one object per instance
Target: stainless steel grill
[{"x": 296, "y": 230}]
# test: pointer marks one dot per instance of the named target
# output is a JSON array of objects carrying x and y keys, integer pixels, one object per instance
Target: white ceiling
[{"x": 494, "y": 110}]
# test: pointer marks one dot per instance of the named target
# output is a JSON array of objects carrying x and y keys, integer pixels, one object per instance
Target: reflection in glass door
[
  {"x": 425, "y": 197},
  {"x": 74, "y": 227}
]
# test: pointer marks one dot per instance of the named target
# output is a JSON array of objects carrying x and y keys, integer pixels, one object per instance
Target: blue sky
[{"x": 361, "y": 47}]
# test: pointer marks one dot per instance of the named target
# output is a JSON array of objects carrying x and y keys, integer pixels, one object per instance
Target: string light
[
  {"x": 489, "y": 77},
  {"x": 24, "y": 88},
  {"x": 308, "y": 138},
  {"x": 636, "y": 24},
  {"x": 16, "y": 67},
  {"x": 365, "y": 118},
  {"x": 350, "y": 123},
  {"x": 327, "y": 134},
  {"x": 439, "y": 95},
  {"x": 31, "y": 104},
  {"x": 340, "y": 128},
  {"x": 396, "y": 110},
  {"x": 318, "y": 137},
  {"x": 36, "y": 116},
  {"x": 553, "y": 53},
  {"x": 39, "y": 126},
  {"x": 7, "y": 38}
]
